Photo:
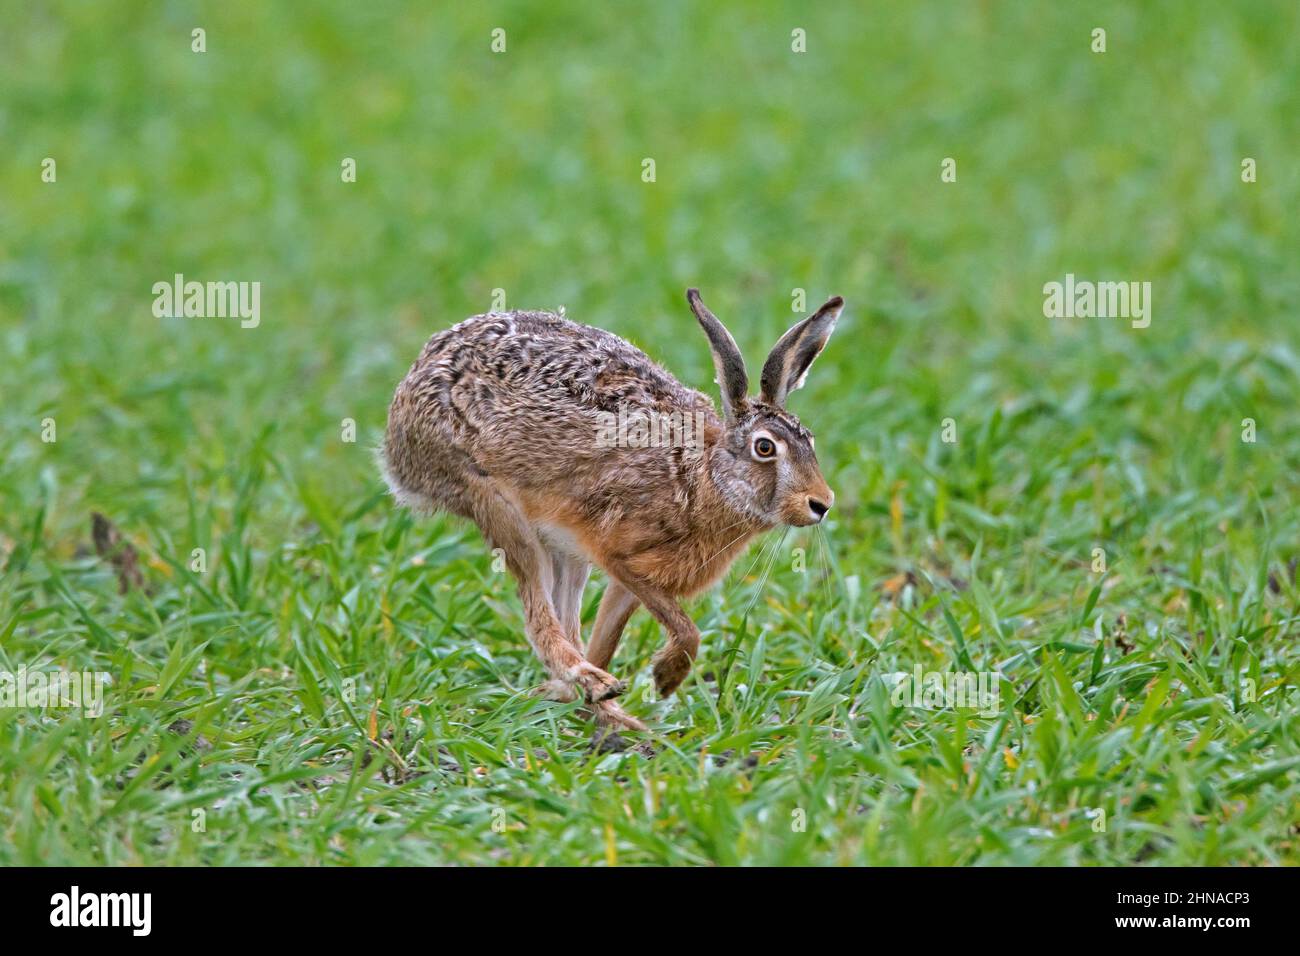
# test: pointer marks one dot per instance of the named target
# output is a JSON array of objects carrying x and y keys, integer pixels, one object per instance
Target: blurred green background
[{"x": 775, "y": 171}]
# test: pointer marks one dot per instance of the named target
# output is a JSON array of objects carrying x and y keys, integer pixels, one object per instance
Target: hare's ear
[
  {"x": 787, "y": 365},
  {"x": 728, "y": 364}
]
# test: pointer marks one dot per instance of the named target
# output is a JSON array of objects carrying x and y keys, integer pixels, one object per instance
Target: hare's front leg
[
  {"x": 616, "y": 607},
  {"x": 530, "y": 563},
  {"x": 673, "y": 661}
]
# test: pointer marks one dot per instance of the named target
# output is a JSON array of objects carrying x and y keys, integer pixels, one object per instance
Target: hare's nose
[{"x": 818, "y": 509}]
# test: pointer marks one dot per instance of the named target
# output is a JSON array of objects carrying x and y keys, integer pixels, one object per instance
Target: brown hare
[{"x": 535, "y": 428}]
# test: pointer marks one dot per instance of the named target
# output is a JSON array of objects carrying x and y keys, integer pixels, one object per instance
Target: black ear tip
[
  {"x": 692, "y": 295},
  {"x": 835, "y": 302}
]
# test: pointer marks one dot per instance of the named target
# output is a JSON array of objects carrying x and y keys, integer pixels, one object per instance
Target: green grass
[{"x": 354, "y": 682}]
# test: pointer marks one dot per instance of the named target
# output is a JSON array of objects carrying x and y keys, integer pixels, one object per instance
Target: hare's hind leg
[
  {"x": 610, "y": 714},
  {"x": 566, "y": 595},
  {"x": 528, "y": 560},
  {"x": 568, "y": 578}
]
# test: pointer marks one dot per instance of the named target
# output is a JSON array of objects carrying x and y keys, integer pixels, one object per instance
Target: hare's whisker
[
  {"x": 725, "y": 546},
  {"x": 761, "y": 551},
  {"x": 826, "y": 562},
  {"x": 766, "y": 573}
]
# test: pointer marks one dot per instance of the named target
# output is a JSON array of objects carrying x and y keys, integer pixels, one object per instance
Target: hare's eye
[{"x": 764, "y": 448}]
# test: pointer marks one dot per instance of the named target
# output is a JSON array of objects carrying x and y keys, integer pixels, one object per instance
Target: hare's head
[{"x": 765, "y": 465}]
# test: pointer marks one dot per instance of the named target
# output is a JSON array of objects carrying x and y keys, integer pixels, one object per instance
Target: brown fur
[{"x": 498, "y": 422}]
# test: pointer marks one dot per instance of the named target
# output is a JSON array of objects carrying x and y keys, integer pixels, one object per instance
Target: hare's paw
[
  {"x": 558, "y": 690},
  {"x": 596, "y": 684},
  {"x": 671, "y": 665},
  {"x": 610, "y": 715}
]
